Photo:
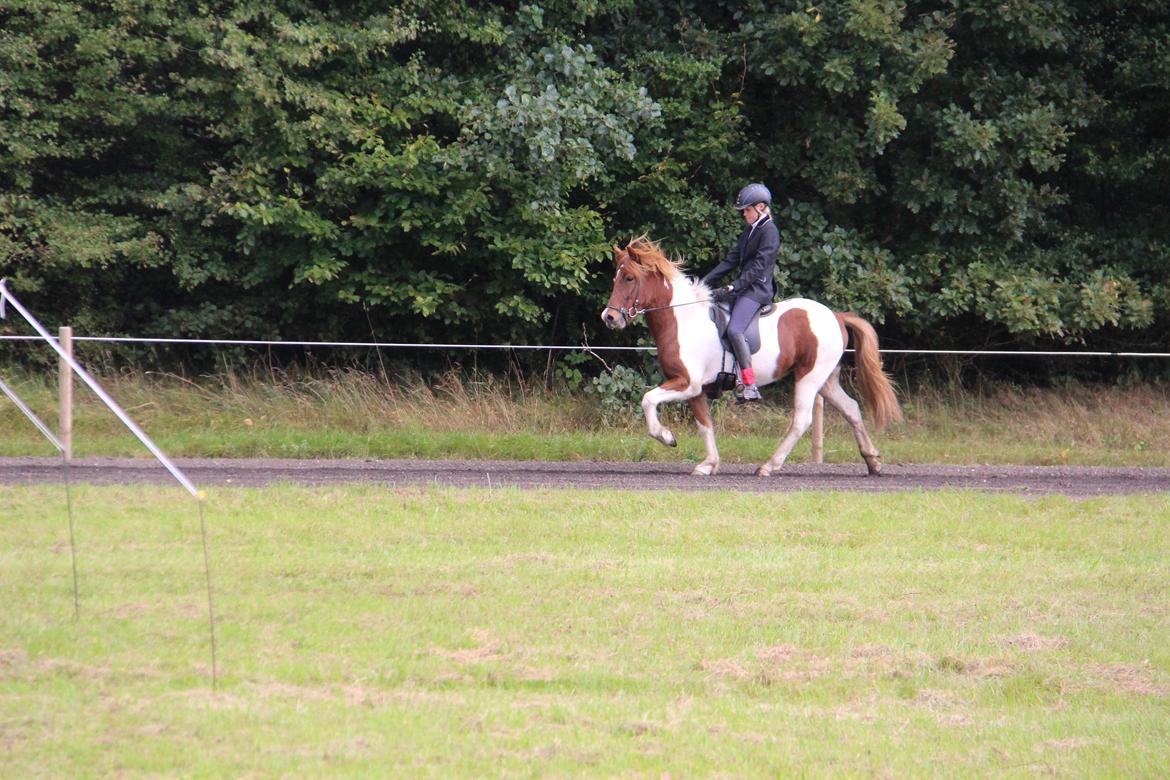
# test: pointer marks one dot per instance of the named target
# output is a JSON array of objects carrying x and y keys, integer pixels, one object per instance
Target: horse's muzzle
[{"x": 614, "y": 319}]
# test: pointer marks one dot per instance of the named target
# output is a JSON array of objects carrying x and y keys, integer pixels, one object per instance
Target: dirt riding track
[{"x": 1026, "y": 480}]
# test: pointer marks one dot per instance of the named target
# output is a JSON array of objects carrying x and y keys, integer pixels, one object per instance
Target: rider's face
[{"x": 751, "y": 214}]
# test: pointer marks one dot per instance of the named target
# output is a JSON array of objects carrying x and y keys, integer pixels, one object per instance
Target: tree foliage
[{"x": 961, "y": 171}]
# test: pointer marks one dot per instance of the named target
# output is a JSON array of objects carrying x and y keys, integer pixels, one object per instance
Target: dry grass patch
[
  {"x": 1031, "y": 642},
  {"x": 487, "y": 648},
  {"x": 1137, "y": 679}
]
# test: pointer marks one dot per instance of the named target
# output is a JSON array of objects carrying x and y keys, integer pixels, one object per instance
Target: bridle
[
  {"x": 630, "y": 314},
  {"x": 636, "y": 310}
]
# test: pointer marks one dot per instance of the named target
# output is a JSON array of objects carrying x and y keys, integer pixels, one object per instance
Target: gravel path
[{"x": 206, "y": 472}]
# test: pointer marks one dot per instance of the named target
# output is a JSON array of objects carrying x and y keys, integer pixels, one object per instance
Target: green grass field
[{"x": 463, "y": 633}]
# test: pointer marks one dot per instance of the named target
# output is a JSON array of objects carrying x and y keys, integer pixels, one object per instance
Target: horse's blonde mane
[{"x": 648, "y": 257}]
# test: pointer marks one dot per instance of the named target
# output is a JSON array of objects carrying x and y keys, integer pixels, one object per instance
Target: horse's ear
[
  {"x": 617, "y": 254},
  {"x": 633, "y": 253}
]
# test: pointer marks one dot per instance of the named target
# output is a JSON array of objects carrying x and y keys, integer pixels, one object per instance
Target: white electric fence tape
[
  {"x": 6, "y": 296},
  {"x": 12, "y": 396}
]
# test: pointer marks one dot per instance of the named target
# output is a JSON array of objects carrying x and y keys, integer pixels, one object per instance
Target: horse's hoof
[
  {"x": 669, "y": 440},
  {"x": 764, "y": 471},
  {"x": 705, "y": 470},
  {"x": 874, "y": 469}
]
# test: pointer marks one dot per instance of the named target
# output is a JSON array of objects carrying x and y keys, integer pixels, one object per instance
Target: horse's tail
[{"x": 877, "y": 391}]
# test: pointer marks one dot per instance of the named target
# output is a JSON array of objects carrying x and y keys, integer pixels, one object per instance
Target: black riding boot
[{"x": 743, "y": 356}]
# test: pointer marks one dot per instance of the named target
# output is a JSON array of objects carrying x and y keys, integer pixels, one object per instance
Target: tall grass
[{"x": 358, "y": 414}]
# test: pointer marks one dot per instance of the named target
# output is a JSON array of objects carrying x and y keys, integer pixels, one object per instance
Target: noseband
[
  {"x": 636, "y": 310},
  {"x": 630, "y": 314}
]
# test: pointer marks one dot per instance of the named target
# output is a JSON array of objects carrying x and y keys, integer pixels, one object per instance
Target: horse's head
[{"x": 640, "y": 282}]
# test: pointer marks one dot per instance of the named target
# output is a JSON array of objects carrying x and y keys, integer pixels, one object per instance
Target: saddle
[{"x": 721, "y": 315}]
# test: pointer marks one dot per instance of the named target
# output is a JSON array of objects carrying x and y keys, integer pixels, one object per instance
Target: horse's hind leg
[
  {"x": 802, "y": 413},
  {"x": 702, "y": 412},
  {"x": 840, "y": 400}
]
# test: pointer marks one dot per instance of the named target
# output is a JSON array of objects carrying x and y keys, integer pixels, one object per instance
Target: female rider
[{"x": 754, "y": 257}]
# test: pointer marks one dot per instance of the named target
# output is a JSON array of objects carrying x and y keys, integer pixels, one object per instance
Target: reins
[
  {"x": 669, "y": 305},
  {"x": 630, "y": 314}
]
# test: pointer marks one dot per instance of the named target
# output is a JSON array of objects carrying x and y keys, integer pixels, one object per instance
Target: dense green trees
[{"x": 963, "y": 171}]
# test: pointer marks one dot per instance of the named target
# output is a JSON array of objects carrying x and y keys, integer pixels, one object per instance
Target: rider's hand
[{"x": 721, "y": 294}]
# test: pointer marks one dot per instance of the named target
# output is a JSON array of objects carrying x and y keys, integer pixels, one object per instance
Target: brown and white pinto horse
[{"x": 800, "y": 336}]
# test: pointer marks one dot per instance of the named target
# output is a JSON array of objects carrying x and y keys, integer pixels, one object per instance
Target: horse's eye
[{"x": 629, "y": 278}]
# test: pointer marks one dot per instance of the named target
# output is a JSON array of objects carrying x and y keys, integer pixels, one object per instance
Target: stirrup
[{"x": 750, "y": 393}]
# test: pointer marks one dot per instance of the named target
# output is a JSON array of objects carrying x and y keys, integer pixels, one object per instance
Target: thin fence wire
[{"x": 559, "y": 347}]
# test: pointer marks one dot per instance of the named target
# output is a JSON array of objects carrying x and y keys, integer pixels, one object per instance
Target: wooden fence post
[
  {"x": 818, "y": 430},
  {"x": 65, "y": 392}
]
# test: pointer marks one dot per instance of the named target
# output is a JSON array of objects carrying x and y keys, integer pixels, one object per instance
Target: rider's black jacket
[{"x": 754, "y": 255}]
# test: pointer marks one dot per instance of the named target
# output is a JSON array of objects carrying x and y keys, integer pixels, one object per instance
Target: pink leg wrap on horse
[{"x": 749, "y": 376}]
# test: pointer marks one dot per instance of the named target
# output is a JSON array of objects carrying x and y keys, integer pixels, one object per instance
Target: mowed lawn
[{"x": 366, "y": 631}]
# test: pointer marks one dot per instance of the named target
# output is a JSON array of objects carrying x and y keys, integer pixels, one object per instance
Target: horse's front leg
[
  {"x": 702, "y": 412},
  {"x": 674, "y": 389}
]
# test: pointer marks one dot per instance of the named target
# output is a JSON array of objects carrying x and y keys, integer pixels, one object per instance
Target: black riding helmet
[{"x": 751, "y": 195}]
